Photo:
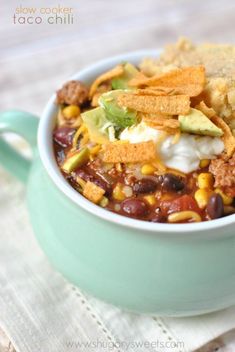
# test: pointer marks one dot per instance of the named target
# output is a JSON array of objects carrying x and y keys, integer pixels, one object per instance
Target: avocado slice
[
  {"x": 119, "y": 116},
  {"x": 121, "y": 82},
  {"x": 95, "y": 121},
  {"x": 76, "y": 160},
  {"x": 197, "y": 123}
]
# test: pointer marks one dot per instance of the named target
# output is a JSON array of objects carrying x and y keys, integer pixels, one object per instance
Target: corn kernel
[
  {"x": 227, "y": 200},
  {"x": 205, "y": 180},
  {"x": 204, "y": 163},
  {"x": 147, "y": 169},
  {"x": 104, "y": 202},
  {"x": 118, "y": 194},
  {"x": 151, "y": 200},
  {"x": 202, "y": 197},
  {"x": 71, "y": 111}
]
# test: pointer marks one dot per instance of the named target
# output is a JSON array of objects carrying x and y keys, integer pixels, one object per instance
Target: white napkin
[{"x": 40, "y": 311}]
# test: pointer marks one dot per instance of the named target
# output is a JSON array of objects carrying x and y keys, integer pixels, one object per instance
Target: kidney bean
[
  {"x": 145, "y": 185},
  {"x": 135, "y": 208},
  {"x": 215, "y": 206},
  {"x": 64, "y": 136},
  {"x": 172, "y": 182}
]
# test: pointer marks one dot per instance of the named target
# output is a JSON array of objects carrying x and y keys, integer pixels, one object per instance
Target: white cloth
[{"x": 40, "y": 311}]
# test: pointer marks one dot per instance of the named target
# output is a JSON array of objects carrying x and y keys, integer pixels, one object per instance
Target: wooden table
[{"x": 36, "y": 58}]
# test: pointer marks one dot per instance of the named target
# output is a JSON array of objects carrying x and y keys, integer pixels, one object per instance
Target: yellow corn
[
  {"x": 204, "y": 163},
  {"x": 71, "y": 111},
  {"x": 104, "y": 202},
  {"x": 202, "y": 196},
  {"x": 151, "y": 200},
  {"x": 118, "y": 194},
  {"x": 184, "y": 215},
  {"x": 227, "y": 200},
  {"x": 205, "y": 180},
  {"x": 147, "y": 169}
]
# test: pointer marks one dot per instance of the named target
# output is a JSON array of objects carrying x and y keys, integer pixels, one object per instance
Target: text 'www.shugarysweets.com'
[{"x": 51, "y": 15}]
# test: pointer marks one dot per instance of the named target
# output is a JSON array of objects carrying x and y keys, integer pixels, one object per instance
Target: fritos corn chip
[
  {"x": 188, "y": 80},
  {"x": 115, "y": 72},
  {"x": 170, "y": 123},
  {"x": 209, "y": 112},
  {"x": 168, "y": 130},
  {"x": 149, "y": 91},
  {"x": 153, "y": 117},
  {"x": 129, "y": 152},
  {"x": 93, "y": 192},
  {"x": 228, "y": 138},
  {"x": 171, "y": 105}
]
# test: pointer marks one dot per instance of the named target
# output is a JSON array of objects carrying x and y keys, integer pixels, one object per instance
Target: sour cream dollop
[{"x": 185, "y": 155}]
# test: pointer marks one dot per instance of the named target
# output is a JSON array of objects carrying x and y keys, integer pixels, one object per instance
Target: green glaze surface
[
  {"x": 25, "y": 125},
  {"x": 137, "y": 270}
]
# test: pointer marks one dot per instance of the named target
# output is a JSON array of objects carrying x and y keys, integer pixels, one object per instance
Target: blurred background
[{"x": 36, "y": 58}]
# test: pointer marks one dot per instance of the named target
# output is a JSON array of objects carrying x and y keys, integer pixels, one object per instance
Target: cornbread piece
[
  {"x": 93, "y": 192},
  {"x": 72, "y": 92},
  {"x": 170, "y": 105},
  {"x": 129, "y": 152},
  {"x": 219, "y": 62},
  {"x": 224, "y": 172}
]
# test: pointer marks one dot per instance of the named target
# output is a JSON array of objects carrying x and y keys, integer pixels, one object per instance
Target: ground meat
[
  {"x": 72, "y": 92},
  {"x": 224, "y": 172}
]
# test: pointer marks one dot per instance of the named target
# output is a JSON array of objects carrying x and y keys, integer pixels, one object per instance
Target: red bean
[
  {"x": 64, "y": 136},
  {"x": 145, "y": 185},
  {"x": 135, "y": 208},
  {"x": 215, "y": 206}
]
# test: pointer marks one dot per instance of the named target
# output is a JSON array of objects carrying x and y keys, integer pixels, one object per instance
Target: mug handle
[{"x": 25, "y": 125}]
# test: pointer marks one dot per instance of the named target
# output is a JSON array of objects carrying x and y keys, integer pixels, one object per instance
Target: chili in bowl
[{"x": 148, "y": 142}]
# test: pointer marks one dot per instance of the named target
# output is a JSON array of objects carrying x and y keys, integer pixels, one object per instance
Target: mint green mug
[{"x": 165, "y": 269}]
